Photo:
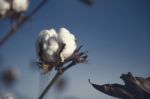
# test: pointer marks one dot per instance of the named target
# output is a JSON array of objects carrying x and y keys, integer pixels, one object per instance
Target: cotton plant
[
  {"x": 10, "y": 76},
  {"x": 56, "y": 49},
  {"x": 47, "y": 49},
  {"x": 4, "y": 7},
  {"x": 7, "y": 95},
  {"x": 13, "y": 8},
  {"x": 20, "y": 6}
]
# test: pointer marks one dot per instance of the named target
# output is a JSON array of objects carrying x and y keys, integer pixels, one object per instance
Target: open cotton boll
[
  {"x": 4, "y": 7},
  {"x": 8, "y": 96},
  {"x": 50, "y": 51},
  {"x": 46, "y": 34},
  {"x": 55, "y": 50},
  {"x": 69, "y": 40},
  {"x": 20, "y": 5},
  {"x": 49, "y": 45}
]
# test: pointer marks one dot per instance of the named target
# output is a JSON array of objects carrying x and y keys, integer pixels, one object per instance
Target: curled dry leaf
[{"x": 134, "y": 88}]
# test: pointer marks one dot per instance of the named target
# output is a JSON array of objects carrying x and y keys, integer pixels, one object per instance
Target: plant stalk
[{"x": 57, "y": 75}]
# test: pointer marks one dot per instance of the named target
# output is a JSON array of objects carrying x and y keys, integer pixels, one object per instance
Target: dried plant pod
[{"x": 10, "y": 76}]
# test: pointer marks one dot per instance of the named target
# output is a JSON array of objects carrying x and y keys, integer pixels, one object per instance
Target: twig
[
  {"x": 40, "y": 5},
  {"x": 50, "y": 85},
  {"x": 58, "y": 74},
  {"x": 21, "y": 22}
]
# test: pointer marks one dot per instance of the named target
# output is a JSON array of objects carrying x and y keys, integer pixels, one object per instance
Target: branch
[
  {"x": 19, "y": 23},
  {"x": 50, "y": 85},
  {"x": 58, "y": 74}
]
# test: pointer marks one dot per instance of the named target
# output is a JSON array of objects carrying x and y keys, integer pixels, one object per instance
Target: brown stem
[
  {"x": 58, "y": 74},
  {"x": 50, "y": 85}
]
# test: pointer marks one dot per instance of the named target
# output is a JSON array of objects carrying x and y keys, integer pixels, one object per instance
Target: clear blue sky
[{"x": 115, "y": 32}]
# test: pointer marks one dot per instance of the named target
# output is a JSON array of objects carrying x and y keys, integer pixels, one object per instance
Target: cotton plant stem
[
  {"x": 20, "y": 23},
  {"x": 56, "y": 77},
  {"x": 50, "y": 85}
]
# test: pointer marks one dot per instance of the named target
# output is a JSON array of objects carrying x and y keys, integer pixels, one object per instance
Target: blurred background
[{"x": 115, "y": 32}]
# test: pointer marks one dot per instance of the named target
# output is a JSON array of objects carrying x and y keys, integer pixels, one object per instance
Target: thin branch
[
  {"x": 49, "y": 85},
  {"x": 38, "y": 7},
  {"x": 21, "y": 22},
  {"x": 69, "y": 66},
  {"x": 58, "y": 74}
]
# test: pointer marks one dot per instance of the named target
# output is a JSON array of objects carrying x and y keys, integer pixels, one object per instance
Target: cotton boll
[
  {"x": 20, "y": 5},
  {"x": 8, "y": 96},
  {"x": 47, "y": 46},
  {"x": 69, "y": 40},
  {"x": 46, "y": 34},
  {"x": 4, "y": 7},
  {"x": 50, "y": 51}
]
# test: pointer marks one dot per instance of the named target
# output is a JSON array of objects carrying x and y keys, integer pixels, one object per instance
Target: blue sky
[{"x": 115, "y": 32}]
